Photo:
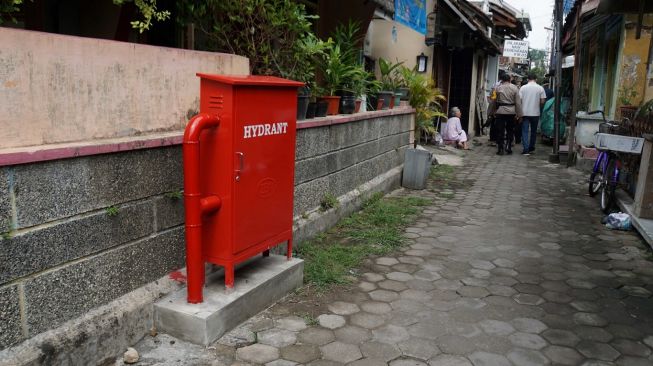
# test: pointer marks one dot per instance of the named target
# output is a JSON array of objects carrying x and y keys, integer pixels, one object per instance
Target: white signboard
[{"x": 515, "y": 48}]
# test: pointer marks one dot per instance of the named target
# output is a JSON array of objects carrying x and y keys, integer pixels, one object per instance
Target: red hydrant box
[{"x": 239, "y": 163}]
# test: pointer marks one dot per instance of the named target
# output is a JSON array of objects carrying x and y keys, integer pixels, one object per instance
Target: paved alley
[{"x": 512, "y": 267}]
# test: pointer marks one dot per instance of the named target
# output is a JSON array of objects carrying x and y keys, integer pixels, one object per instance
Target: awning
[{"x": 473, "y": 25}]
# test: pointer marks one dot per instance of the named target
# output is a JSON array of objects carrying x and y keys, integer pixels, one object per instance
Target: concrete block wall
[{"x": 63, "y": 253}]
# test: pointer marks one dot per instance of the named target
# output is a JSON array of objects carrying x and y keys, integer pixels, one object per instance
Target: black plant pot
[
  {"x": 347, "y": 104},
  {"x": 310, "y": 110},
  {"x": 372, "y": 101},
  {"x": 321, "y": 109},
  {"x": 388, "y": 98},
  {"x": 302, "y": 106}
]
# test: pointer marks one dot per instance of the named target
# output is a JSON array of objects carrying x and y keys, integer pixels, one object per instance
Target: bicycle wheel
[
  {"x": 597, "y": 178},
  {"x": 609, "y": 187}
]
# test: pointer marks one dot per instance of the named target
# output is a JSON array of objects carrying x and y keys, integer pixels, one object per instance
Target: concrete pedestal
[
  {"x": 643, "y": 204},
  {"x": 259, "y": 284}
]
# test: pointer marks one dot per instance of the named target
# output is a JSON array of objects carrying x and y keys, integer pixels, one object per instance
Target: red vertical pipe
[{"x": 193, "y": 205}]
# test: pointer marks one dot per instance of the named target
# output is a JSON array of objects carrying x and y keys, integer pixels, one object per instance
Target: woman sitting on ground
[{"x": 453, "y": 130}]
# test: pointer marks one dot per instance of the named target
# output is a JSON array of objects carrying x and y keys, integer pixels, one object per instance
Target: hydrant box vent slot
[{"x": 244, "y": 165}]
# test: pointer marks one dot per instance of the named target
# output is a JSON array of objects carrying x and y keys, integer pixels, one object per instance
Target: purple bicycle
[{"x": 605, "y": 175}]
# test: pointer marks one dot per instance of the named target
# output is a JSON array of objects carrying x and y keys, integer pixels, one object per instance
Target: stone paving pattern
[{"x": 514, "y": 269}]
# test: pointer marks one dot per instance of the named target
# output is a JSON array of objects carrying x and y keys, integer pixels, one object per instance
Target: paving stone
[
  {"x": 368, "y": 362},
  {"x": 593, "y": 334},
  {"x": 426, "y": 330},
  {"x": 527, "y": 357},
  {"x": 528, "y": 299},
  {"x": 575, "y": 283},
  {"x": 636, "y": 291},
  {"x": 373, "y": 277},
  {"x": 631, "y": 348},
  {"x": 380, "y": 351},
  {"x": 366, "y": 320},
  {"x": 529, "y": 325},
  {"x": 281, "y": 363},
  {"x": 366, "y": 286},
  {"x": 488, "y": 359},
  {"x": 376, "y": 307},
  {"x": 406, "y": 362},
  {"x": 590, "y": 319},
  {"x": 456, "y": 345},
  {"x": 422, "y": 349},
  {"x": 563, "y": 355},
  {"x": 352, "y": 334},
  {"x": 481, "y": 264},
  {"x": 301, "y": 353},
  {"x": 561, "y": 337},
  {"x": 343, "y": 308},
  {"x": 449, "y": 360},
  {"x": 293, "y": 323},
  {"x": 472, "y": 291},
  {"x": 341, "y": 352},
  {"x": 257, "y": 353},
  {"x": 527, "y": 340},
  {"x": 317, "y": 336},
  {"x": 501, "y": 290},
  {"x": 496, "y": 327},
  {"x": 601, "y": 351},
  {"x": 399, "y": 276},
  {"x": 633, "y": 361},
  {"x": 387, "y": 261},
  {"x": 390, "y": 334},
  {"x": 277, "y": 337},
  {"x": 384, "y": 295},
  {"x": 331, "y": 321},
  {"x": 392, "y": 285}
]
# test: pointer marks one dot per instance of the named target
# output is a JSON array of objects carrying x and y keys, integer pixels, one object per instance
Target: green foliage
[
  {"x": 645, "y": 110},
  {"x": 375, "y": 230},
  {"x": 390, "y": 75},
  {"x": 175, "y": 195},
  {"x": 336, "y": 72},
  {"x": 441, "y": 172},
  {"x": 274, "y": 34},
  {"x": 8, "y": 8},
  {"x": 627, "y": 94},
  {"x": 112, "y": 211},
  {"x": 329, "y": 201},
  {"x": 148, "y": 10},
  {"x": 424, "y": 97},
  {"x": 6, "y": 235}
]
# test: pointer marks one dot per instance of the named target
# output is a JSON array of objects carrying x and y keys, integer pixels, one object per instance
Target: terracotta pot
[
  {"x": 358, "y": 105},
  {"x": 334, "y": 104}
]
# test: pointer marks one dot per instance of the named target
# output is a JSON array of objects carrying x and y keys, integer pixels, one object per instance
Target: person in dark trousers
[
  {"x": 507, "y": 111},
  {"x": 532, "y": 97}
]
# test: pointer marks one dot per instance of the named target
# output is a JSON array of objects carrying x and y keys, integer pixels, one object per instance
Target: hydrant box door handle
[{"x": 265, "y": 146}]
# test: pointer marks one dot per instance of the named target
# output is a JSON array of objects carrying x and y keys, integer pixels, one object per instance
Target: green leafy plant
[
  {"x": 645, "y": 109},
  {"x": 8, "y": 8},
  {"x": 6, "y": 235},
  {"x": 148, "y": 10},
  {"x": 112, "y": 211},
  {"x": 329, "y": 201},
  {"x": 175, "y": 195},
  {"x": 335, "y": 71},
  {"x": 390, "y": 79},
  {"x": 425, "y": 98},
  {"x": 627, "y": 94}
]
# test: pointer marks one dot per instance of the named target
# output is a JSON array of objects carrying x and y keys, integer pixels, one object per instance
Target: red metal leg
[
  {"x": 289, "y": 249},
  {"x": 266, "y": 253},
  {"x": 229, "y": 276},
  {"x": 194, "y": 265}
]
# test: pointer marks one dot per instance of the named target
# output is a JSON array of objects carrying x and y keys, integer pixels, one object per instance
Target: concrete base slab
[
  {"x": 259, "y": 283},
  {"x": 643, "y": 226}
]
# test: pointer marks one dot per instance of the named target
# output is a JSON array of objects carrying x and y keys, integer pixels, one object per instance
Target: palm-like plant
[
  {"x": 335, "y": 70},
  {"x": 425, "y": 98},
  {"x": 389, "y": 74}
]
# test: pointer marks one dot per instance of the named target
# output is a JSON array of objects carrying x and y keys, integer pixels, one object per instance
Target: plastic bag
[{"x": 618, "y": 221}]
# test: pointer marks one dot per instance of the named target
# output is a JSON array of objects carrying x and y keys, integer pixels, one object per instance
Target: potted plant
[
  {"x": 334, "y": 72},
  {"x": 320, "y": 105},
  {"x": 626, "y": 96},
  {"x": 388, "y": 82}
]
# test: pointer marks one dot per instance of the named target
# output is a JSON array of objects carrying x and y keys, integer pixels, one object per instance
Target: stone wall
[
  {"x": 82, "y": 231},
  {"x": 57, "y": 88}
]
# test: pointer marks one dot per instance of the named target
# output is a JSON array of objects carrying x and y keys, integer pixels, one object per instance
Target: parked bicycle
[{"x": 605, "y": 175}]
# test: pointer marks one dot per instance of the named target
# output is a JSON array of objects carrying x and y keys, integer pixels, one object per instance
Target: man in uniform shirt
[
  {"x": 532, "y": 97},
  {"x": 507, "y": 113}
]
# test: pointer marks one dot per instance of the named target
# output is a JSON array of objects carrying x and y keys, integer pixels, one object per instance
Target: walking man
[
  {"x": 532, "y": 97},
  {"x": 507, "y": 112}
]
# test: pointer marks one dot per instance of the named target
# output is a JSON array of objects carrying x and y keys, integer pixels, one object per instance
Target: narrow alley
[{"x": 511, "y": 268}]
